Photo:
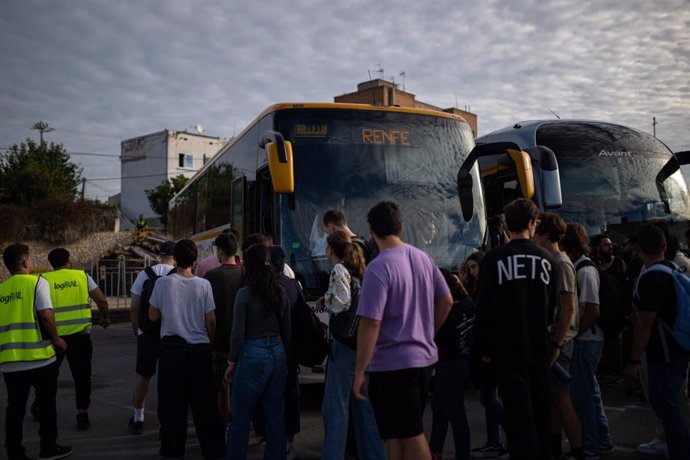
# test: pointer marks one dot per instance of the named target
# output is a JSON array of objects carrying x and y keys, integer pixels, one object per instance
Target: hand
[
  {"x": 229, "y": 372},
  {"x": 60, "y": 344},
  {"x": 359, "y": 386},
  {"x": 461, "y": 286},
  {"x": 554, "y": 356},
  {"x": 105, "y": 322},
  {"x": 631, "y": 371},
  {"x": 463, "y": 271},
  {"x": 319, "y": 305}
]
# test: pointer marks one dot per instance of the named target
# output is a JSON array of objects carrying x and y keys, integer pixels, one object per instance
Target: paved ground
[{"x": 630, "y": 418}]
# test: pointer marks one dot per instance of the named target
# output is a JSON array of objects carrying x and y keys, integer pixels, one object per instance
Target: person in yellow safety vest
[
  {"x": 28, "y": 336},
  {"x": 141, "y": 223},
  {"x": 69, "y": 292}
]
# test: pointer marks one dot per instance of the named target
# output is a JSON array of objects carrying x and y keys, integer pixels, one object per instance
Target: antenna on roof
[
  {"x": 373, "y": 92},
  {"x": 402, "y": 74},
  {"x": 554, "y": 113},
  {"x": 380, "y": 71}
]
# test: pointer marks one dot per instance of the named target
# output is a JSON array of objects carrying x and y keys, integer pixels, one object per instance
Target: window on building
[
  {"x": 206, "y": 158},
  {"x": 186, "y": 160}
]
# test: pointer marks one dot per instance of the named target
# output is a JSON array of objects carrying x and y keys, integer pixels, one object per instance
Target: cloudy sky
[{"x": 101, "y": 71}]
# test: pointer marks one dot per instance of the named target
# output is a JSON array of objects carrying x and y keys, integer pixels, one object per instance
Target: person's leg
[
  {"x": 539, "y": 396},
  {"x": 583, "y": 367},
  {"x": 665, "y": 387},
  {"x": 415, "y": 448},
  {"x": 455, "y": 408},
  {"x": 79, "y": 361},
  {"x": 248, "y": 383},
  {"x": 146, "y": 361},
  {"x": 44, "y": 380},
  {"x": 274, "y": 404},
  {"x": 18, "y": 385},
  {"x": 439, "y": 420},
  {"x": 207, "y": 422},
  {"x": 336, "y": 400},
  {"x": 603, "y": 436},
  {"x": 173, "y": 395},
  {"x": 370, "y": 446},
  {"x": 514, "y": 388}
]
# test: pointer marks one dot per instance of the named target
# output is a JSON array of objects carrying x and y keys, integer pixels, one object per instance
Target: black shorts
[
  {"x": 398, "y": 398},
  {"x": 148, "y": 348}
]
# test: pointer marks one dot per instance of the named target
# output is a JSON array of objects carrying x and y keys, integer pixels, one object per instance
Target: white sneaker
[{"x": 656, "y": 446}]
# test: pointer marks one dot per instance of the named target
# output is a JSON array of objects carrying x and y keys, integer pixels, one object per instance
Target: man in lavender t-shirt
[{"x": 403, "y": 302}]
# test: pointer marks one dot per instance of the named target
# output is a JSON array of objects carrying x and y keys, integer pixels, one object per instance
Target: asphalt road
[{"x": 630, "y": 418}]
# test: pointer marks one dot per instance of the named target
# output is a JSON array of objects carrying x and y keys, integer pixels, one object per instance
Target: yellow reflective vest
[
  {"x": 20, "y": 332},
  {"x": 69, "y": 292}
]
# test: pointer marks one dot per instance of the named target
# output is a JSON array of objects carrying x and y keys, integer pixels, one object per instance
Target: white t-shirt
[
  {"x": 158, "y": 269},
  {"x": 183, "y": 302},
  {"x": 588, "y": 292},
  {"x": 41, "y": 302}
]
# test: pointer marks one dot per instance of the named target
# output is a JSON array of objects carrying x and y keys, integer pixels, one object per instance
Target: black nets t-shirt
[
  {"x": 657, "y": 294},
  {"x": 517, "y": 284}
]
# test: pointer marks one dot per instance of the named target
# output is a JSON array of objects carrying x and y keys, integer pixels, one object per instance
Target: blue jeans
[
  {"x": 665, "y": 388},
  {"x": 337, "y": 400},
  {"x": 493, "y": 411},
  {"x": 448, "y": 405},
  {"x": 185, "y": 379},
  {"x": 586, "y": 395},
  {"x": 259, "y": 378}
]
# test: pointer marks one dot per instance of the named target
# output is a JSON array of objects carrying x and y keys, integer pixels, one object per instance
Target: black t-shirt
[
  {"x": 657, "y": 294},
  {"x": 517, "y": 284},
  {"x": 225, "y": 282},
  {"x": 447, "y": 337}
]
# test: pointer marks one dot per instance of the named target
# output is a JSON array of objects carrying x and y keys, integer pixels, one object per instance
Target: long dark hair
[
  {"x": 261, "y": 278},
  {"x": 347, "y": 251}
]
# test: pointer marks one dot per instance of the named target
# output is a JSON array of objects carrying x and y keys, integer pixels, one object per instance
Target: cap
[{"x": 167, "y": 248}]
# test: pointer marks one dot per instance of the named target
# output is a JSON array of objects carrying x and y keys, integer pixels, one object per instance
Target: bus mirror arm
[
  {"x": 465, "y": 184},
  {"x": 275, "y": 136}
]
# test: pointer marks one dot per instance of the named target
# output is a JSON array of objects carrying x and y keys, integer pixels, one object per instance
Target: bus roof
[{"x": 343, "y": 106}]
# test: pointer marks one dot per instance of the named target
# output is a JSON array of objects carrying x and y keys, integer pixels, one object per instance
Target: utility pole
[
  {"x": 654, "y": 125},
  {"x": 83, "y": 187},
  {"x": 42, "y": 127}
]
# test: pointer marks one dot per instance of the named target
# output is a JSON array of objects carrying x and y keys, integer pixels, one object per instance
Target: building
[
  {"x": 149, "y": 160},
  {"x": 385, "y": 93}
]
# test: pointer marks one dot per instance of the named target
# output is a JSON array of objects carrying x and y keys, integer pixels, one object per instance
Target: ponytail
[{"x": 353, "y": 259}]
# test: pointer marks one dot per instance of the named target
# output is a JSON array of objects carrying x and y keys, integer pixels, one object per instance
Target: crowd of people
[{"x": 530, "y": 324}]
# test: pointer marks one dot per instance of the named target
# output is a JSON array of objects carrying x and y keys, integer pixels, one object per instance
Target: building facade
[
  {"x": 385, "y": 93},
  {"x": 149, "y": 160}
]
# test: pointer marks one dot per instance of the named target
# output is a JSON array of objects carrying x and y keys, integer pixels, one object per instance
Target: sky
[{"x": 102, "y": 71}]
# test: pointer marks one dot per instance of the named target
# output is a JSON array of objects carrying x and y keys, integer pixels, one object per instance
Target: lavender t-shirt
[{"x": 399, "y": 289}]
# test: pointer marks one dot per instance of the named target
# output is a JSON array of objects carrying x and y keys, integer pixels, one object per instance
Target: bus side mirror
[
  {"x": 523, "y": 168},
  {"x": 279, "y": 156},
  {"x": 465, "y": 184},
  {"x": 549, "y": 175}
]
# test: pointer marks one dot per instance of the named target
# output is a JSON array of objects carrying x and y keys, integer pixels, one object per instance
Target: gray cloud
[{"x": 103, "y": 71}]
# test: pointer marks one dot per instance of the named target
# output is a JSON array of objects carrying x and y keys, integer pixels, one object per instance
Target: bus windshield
[
  {"x": 611, "y": 176},
  {"x": 350, "y": 160}
]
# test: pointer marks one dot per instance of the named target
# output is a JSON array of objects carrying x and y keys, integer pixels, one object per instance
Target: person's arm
[
  {"x": 338, "y": 296},
  {"x": 442, "y": 307},
  {"x": 239, "y": 323},
  {"x": 47, "y": 318},
  {"x": 134, "y": 313},
  {"x": 102, "y": 304},
  {"x": 568, "y": 303},
  {"x": 154, "y": 313},
  {"x": 589, "y": 317},
  {"x": 211, "y": 325},
  {"x": 641, "y": 334},
  {"x": 367, "y": 335}
]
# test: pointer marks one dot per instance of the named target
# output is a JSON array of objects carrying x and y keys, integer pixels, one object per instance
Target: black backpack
[
  {"x": 344, "y": 325},
  {"x": 613, "y": 312},
  {"x": 369, "y": 248},
  {"x": 150, "y": 328}
]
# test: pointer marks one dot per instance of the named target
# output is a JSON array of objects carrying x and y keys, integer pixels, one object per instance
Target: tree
[
  {"x": 160, "y": 196},
  {"x": 31, "y": 172}
]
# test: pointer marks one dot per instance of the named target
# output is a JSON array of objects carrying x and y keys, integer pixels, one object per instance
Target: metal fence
[{"x": 116, "y": 276}]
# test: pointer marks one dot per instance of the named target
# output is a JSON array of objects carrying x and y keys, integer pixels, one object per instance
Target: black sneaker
[
  {"x": 56, "y": 452},
  {"x": 83, "y": 422},
  {"x": 34, "y": 411},
  {"x": 135, "y": 427},
  {"x": 488, "y": 451}
]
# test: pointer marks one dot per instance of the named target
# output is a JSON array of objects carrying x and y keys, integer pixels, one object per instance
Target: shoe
[
  {"x": 55, "y": 453},
  {"x": 591, "y": 455},
  {"x": 23, "y": 457},
  {"x": 654, "y": 447},
  {"x": 488, "y": 451},
  {"x": 291, "y": 454},
  {"x": 135, "y": 427},
  {"x": 83, "y": 422},
  {"x": 605, "y": 450},
  {"x": 34, "y": 411}
]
